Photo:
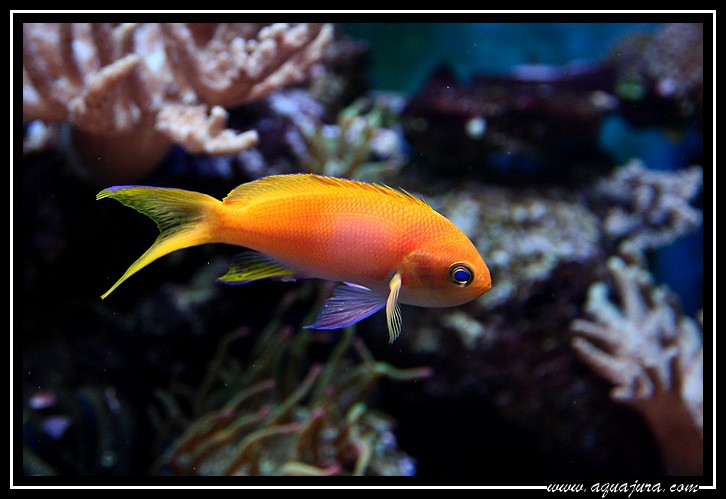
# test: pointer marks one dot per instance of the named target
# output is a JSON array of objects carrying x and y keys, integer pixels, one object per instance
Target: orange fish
[{"x": 386, "y": 246}]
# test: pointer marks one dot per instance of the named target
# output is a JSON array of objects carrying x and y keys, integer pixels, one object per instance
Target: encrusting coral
[
  {"x": 653, "y": 356},
  {"x": 525, "y": 234},
  {"x": 660, "y": 74},
  {"x": 128, "y": 91}
]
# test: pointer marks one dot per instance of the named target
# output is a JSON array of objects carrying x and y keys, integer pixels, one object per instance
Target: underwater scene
[{"x": 466, "y": 253}]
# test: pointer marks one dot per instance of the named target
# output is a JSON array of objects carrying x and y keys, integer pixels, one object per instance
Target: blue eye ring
[{"x": 460, "y": 274}]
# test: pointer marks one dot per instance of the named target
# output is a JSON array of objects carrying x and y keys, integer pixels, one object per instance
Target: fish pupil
[{"x": 460, "y": 274}]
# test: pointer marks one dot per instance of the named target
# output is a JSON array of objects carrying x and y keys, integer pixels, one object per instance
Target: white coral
[
  {"x": 646, "y": 208},
  {"x": 654, "y": 358}
]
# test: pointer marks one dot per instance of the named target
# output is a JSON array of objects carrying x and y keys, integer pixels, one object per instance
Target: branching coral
[
  {"x": 645, "y": 209},
  {"x": 199, "y": 133},
  {"x": 359, "y": 145},
  {"x": 654, "y": 358},
  {"x": 129, "y": 91},
  {"x": 231, "y": 64},
  {"x": 277, "y": 424}
]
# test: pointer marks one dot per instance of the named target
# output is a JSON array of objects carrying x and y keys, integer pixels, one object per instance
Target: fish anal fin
[{"x": 252, "y": 266}]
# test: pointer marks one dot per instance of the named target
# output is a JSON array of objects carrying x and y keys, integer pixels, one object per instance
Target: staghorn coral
[
  {"x": 274, "y": 418},
  {"x": 653, "y": 356},
  {"x": 645, "y": 209},
  {"x": 129, "y": 91}
]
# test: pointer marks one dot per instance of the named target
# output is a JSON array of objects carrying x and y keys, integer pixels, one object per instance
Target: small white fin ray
[{"x": 393, "y": 311}]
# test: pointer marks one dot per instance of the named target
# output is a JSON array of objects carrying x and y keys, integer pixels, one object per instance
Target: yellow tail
[{"x": 183, "y": 218}]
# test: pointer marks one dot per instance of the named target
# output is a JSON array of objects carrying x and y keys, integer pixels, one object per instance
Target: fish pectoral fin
[
  {"x": 393, "y": 311},
  {"x": 349, "y": 304},
  {"x": 251, "y": 266}
]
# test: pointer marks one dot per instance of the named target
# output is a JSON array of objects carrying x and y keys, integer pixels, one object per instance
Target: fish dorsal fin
[{"x": 286, "y": 185}]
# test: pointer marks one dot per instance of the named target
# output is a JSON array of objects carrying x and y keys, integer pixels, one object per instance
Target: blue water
[{"x": 403, "y": 55}]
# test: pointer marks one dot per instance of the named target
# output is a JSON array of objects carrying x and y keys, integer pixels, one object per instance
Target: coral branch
[
  {"x": 105, "y": 104},
  {"x": 197, "y": 132},
  {"x": 230, "y": 68},
  {"x": 654, "y": 358},
  {"x": 153, "y": 84},
  {"x": 645, "y": 209}
]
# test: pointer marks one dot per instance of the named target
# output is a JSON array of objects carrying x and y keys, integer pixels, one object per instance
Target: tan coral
[
  {"x": 202, "y": 133},
  {"x": 84, "y": 74},
  {"x": 231, "y": 68},
  {"x": 151, "y": 85},
  {"x": 654, "y": 358}
]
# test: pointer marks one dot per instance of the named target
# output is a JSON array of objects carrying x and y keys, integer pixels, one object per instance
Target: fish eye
[{"x": 460, "y": 274}]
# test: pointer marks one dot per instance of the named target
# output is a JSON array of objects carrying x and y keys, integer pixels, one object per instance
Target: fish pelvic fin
[
  {"x": 393, "y": 311},
  {"x": 182, "y": 217},
  {"x": 349, "y": 304}
]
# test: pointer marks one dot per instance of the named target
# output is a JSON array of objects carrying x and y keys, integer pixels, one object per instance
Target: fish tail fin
[{"x": 184, "y": 219}]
